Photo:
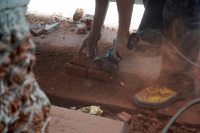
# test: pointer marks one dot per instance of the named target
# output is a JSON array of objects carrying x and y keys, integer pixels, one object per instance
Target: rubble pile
[{"x": 143, "y": 124}]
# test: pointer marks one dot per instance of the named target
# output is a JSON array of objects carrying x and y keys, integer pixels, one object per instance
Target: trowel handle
[{"x": 133, "y": 40}]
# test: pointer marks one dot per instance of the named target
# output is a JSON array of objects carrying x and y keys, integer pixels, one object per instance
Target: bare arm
[
  {"x": 91, "y": 41},
  {"x": 125, "y": 8}
]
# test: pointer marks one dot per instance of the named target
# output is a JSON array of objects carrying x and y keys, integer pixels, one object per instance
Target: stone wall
[{"x": 23, "y": 106}]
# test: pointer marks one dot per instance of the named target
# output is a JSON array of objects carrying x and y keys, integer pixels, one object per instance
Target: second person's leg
[{"x": 177, "y": 80}]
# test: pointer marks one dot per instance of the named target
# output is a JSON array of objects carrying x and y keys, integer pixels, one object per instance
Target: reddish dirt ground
[{"x": 136, "y": 73}]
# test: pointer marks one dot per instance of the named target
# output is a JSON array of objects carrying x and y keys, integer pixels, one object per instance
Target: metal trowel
[{"x": 109, "y": 64}]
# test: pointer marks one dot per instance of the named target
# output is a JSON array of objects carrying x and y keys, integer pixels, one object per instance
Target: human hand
[
  {"x": 91, "y": 44},
  {"x": 121, "y": 46}
]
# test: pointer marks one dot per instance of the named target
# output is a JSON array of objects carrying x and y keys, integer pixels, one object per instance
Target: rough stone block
[
  {"x": 88, "y": 16},
  {"x": 36, "y": 29},
  {"x": 81, "y": 28},
  {"x": 80, "y": 12},
  {"x": 75, "y": 70},
  {"x": 124, "y": 116},
  {"x": 50, "y": 28},
  {"x": 87, "y": 19},
  {"x": 98, "y": 75}
]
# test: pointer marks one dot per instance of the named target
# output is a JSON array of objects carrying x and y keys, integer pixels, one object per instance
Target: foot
[
  {"x": 159, "y": 96},
  {"x": 91, "y": 44},
  {"x": 155, "y": 97}
]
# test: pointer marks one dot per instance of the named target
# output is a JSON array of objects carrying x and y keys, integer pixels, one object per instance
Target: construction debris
[
  {"x": 36, "y": 29},
  {"x": 87, "y": 19},
  {"x": 81, "y": 28},
  {"x": 125, "y": 117},
  {"x": 88, "y": 16},
  {"x": 50, "y": 28},
  {"x": 88, "y": 23},
  {"x": 80, "y": 12},
  {"x": 143, "y": 117}
]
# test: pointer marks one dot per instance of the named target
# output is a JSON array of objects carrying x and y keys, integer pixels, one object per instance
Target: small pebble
[
  {"x": 74, "y": 108},
  {"x": 42, "y": 36}
]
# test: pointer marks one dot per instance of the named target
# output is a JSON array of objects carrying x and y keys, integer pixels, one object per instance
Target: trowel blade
[{"x": 106, "y": 64}]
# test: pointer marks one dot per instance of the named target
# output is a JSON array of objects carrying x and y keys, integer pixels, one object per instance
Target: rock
[
  {"x": 88, "y": 23},
  {"x": 87, "y": 19},
  {"x": 79, "y": 13},
  {"x": 88, "y": 16},
  {"x": 36, "y": 29},
  {"x": 51, "y": 28},
  {"x": 81, "y": 28},
  {"x": 42, "y": 36}
]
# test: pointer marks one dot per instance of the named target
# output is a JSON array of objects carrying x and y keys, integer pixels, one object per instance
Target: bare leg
[
  {"x": 91, "y": 40},
  {"x": 125, "y": 8}
]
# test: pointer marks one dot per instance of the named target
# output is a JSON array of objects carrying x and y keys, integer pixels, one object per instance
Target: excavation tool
[{"x": 109, "y": 64}]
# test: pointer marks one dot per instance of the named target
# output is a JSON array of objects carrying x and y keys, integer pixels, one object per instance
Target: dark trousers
[{"x": 179, "y": 21}]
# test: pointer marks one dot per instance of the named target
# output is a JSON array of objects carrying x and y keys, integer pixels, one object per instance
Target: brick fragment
[
  {"x": 87, "y": 19},
  {"x": 75, "y": 70},
  {"x": 36, "y": 29},
  {"x": 50, "y": 28},
  {"x": 145, "y": 118},
  {"x": 124, "y": 116},
  {"x": 81, "y": 59},
  {"x": 98, "y": 75}
]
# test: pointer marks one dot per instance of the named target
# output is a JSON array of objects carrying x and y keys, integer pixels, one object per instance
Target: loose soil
[{"x": 135, "y": 73}]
